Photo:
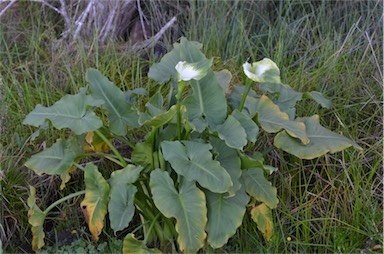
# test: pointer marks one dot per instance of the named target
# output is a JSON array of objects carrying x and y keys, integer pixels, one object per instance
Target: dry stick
[
  {"x": 109, "y": 24},
  {"x": 154, "y": 39},
  {"x": 141, "y": 20},
  {"x": 6, "y": 7},
  {"x": 80, "y": 21}
]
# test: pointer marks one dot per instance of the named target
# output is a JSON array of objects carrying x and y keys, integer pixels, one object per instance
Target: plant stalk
[
  {"x": 57, "y": 202},
  {"x": 114, "y": 150},
  {"x": 244, "y": 97},
  {"x": 181, "y": 86}
]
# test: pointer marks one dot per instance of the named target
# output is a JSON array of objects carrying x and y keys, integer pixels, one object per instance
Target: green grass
[{"x": 332, "y": 204}]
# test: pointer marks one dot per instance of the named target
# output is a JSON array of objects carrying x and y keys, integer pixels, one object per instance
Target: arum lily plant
[{"x": 192, "y": 177}]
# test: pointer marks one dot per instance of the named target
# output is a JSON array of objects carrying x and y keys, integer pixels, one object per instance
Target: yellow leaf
[
  {"x": 262, "y": 216},
  {"x": 94, "y": 143},
  {"x": 36, "y": 218},
  {"x": 95, "y": 202}
]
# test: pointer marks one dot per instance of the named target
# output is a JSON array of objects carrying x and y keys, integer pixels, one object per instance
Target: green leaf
[
  {"x": 250, "y": 101},
  {"x": 229, "y": 160},
  {"x": 36, "y": 218},
  {"x": 319, "y": 98},
  {"x": 248, "y": 124},
  {"x": 262, "y": 216},
  {"x": 273, "y": 120},
  {"x": 224, "y": 78},
  {"x": 96, "y": 198},
  {"x": 259, "y": 187},
  {"x": 321, "y": 141},
  {"x": 71, "y": 111},
  {"x": 255, "y": 161},
  {"x": 225, "y": 215},
  {"x": 56, "y": 160},
  {"x": 194, "y": 161},
  {"x": 286, "y": 97},
  {"x": 207, "y": 105},
  {"x": 232, "y": 133},
  {"x": 161, "y": 119},
  {"x": 120, "y": 112},
  {"x": 120, "y": 207},
  {"x": 133, "y": 246},
  {"x": 142, "y": 154},
  {"x": 187, "y": 206}
]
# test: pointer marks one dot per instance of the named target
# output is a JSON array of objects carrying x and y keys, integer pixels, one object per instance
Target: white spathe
[
  {"x": 187, "y": 71},
  {"x": 264, "y": 71}
]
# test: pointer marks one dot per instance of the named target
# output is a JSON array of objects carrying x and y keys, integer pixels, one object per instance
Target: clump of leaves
[{"x": 189, "y": 179}]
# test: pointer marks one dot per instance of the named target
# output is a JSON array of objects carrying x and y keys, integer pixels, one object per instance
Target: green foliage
[{"x": 192, "y": 165}]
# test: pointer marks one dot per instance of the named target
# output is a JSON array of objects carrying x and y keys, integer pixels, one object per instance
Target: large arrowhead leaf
[
  {"x": 229, "y": 160},
  {"x": 71, "y": 111},
  {"x": 272, "y": 120},
  {"x": 321, "y": 142},
  {"x": 36, "y": 218},
  {"x": 120, "y": 112},
  {"x": 259, "y": 187},
  {"x": 194, "y": 161},
  {"x": 133, "y": 246},
  {"x": 262, "y": 215},
  {"x": 188, "y": 206},
  {"x": 120, "y": 207},
  {"x": 232, "y": 133},
  {"x": 207, "y": 105},
  {"x": 95, "y": 201},
  {"x": 57, "y": 160},
  {"x": 225, "y": 215}
]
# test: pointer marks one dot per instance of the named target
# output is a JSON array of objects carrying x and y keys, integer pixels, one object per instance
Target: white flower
[
  {"x": 264, "y": 71},
  {"x": 187, "y": 71}
]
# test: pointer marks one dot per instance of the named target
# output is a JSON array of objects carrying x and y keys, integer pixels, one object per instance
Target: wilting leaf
[
  {"x": 120, "y": 112},
  {"x": 232, "y": 133},
  {"x": 262, "y": 216},
  {"x": 321, "y": 141},
  {"x": 133, "y": 246},
  {"x": 259, "y": 187},
  {"x": 71, "y": 111},
  {"x": 248, "y": 124},
  {"x": 120, "y": 207},
  {"x": 286, "y": 97},
  {"x": 194, "y": 161},
  {"x": 36, "y": 218},
  {"x": 95, "y": 201},
  {"x": 94, "y": 143},
  {"x": 187, "y": 206},
  {"x": 273, "y": 120},
  {"x": 225, "y": 215}
]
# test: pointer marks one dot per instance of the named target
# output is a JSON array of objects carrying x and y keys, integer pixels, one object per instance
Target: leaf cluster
[{"x": 190, "y": 179}]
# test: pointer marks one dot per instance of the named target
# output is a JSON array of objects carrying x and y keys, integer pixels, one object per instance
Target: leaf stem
[
  {"x": 57, "y": 202},
  {"x": 244, "y": 97},
  {"x": 114, "y": 150}
]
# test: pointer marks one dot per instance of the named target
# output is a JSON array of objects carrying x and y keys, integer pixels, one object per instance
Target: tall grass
[{"x": 332, "y": 204}]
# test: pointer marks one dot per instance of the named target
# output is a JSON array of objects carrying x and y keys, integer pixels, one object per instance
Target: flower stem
[
  {"x": 244, "y": 97},
  {"x": 181, "y": 86}
]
